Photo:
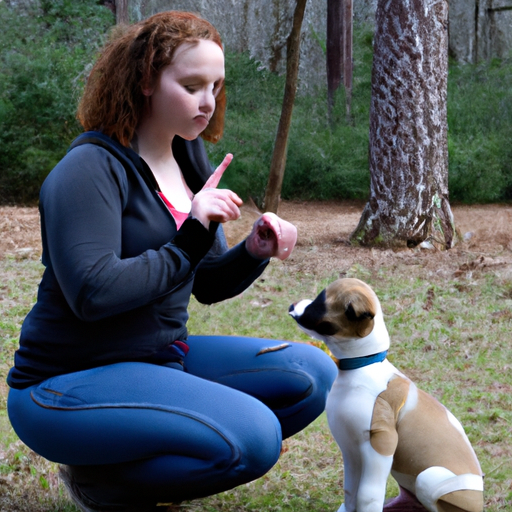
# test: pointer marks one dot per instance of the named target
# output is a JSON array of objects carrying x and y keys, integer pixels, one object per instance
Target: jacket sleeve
[
  {"x": 81, "y": 205},
  {"x": 224, "y": 273}
]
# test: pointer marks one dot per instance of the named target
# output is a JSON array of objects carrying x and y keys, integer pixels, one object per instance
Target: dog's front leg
[
  {"x": 365, "y": 470},
  {"x": 376, "y": 468},
  {"x": 365, "y": 477}
]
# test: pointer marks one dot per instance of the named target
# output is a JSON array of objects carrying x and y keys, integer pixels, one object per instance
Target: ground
[
  {"x": 29, "y": 484},
  {"x": 324, "y": 229}
]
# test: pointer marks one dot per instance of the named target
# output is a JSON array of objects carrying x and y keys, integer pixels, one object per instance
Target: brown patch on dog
[
  {"x": 383, "y": 430},
  {"x": 461, "y": 501},
  {"x": 351, "y": 307},
  {"x": 425, "y": 432}
]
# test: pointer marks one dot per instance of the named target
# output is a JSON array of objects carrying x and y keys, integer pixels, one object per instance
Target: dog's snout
[{"x": 291, "y": 308}]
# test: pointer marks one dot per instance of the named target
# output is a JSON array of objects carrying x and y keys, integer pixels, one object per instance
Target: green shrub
[
  {"x": 480, "y": 132},
  {"x": 44, "y": 49},
  {"x": 253, "y": 108},
  {"x": 326, "y": 160}
]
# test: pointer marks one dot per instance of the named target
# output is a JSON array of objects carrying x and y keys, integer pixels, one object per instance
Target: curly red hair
[{"x": 113, "y": 100}]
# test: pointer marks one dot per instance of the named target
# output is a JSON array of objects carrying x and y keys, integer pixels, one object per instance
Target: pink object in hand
[{"x": 272, "y": 236}]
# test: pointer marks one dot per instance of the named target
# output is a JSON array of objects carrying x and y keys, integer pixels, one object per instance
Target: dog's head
[{"x": 347, "y": 317}]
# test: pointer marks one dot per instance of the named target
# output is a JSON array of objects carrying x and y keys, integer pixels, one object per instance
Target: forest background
[{"x": 46, "y": 51}]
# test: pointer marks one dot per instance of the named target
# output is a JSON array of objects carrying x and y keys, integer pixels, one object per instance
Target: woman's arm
[
  {"x": 82, "y": 204},
  {"x": 224, "y": 273}
]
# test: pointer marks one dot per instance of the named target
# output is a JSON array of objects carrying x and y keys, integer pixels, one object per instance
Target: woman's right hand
[{"x": 213, "y": 204}]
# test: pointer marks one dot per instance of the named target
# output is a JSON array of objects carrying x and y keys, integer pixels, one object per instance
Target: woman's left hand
[{"x": 271, "y": 236}]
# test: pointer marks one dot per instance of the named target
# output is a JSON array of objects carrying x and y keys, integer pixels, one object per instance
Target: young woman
[{"x": 107, "y": 381}]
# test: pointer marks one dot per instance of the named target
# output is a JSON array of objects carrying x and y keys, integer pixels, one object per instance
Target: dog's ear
[
  {"x": 362, "y": 322},
  {"x": 354, "y": 317}
]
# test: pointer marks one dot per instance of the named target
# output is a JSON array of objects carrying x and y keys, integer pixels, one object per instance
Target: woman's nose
[{"x": 208, "y": 102}]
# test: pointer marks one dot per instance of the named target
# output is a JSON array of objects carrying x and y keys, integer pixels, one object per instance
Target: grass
[{"x": 452, "y": 336}]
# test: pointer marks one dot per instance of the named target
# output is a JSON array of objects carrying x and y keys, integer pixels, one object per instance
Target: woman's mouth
[{"x": 202, "y": 119}]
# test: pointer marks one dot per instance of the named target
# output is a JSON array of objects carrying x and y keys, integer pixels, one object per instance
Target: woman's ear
[{"x": 147, "y": 86}]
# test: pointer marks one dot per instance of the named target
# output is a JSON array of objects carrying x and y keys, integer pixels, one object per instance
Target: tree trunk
[
  {"x": 348, "y": 71},
  {"x": 122, "y": 17},
  {"x": 408, "y": 128},
  {"x": 334, "y": 51},
  {"x": 339, "y": 52},
  {"x": 278, "y": 164}
]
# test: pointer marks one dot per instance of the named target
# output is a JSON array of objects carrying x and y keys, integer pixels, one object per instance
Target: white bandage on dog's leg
[{"x": 437, "y": 481}]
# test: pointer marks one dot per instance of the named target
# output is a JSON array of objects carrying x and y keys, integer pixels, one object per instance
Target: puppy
[{"x": 381, "y": 421}]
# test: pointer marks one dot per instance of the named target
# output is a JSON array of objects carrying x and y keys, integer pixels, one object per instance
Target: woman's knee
[
  {"x": 315, "y": 375},
  {"x": 214, "y": 424}
]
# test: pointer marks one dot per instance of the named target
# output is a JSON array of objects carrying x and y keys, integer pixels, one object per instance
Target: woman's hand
[
  {"x": 213, "y": 204},
  {"x": 271, "y": 236}
]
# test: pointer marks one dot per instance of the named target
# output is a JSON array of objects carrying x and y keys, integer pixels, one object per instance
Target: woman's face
[{"x": 183, "y": 98}]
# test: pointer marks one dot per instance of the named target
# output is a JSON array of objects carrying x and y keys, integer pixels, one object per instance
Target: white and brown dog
[{"x": 381, "y": 421}]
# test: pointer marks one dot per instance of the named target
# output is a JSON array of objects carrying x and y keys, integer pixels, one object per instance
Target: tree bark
[
  {"x": 122, "y": 17},
  {"x": 278, "y": 163},
  {"x": 334, "y": 50},
  {"x": 348, "y": 68},
  {"x": 339, "y": 52},
  {"x": 408, "y": 147}
]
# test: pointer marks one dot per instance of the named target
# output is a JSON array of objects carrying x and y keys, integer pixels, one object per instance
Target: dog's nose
[{"x": 291, "y": 308}]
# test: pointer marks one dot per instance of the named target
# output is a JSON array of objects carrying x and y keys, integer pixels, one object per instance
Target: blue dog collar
[{"x": 359, "y": 362}]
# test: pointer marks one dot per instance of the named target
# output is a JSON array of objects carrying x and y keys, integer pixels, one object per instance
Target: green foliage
[
  {"x": 480, "y": 131},
  {"x": 252, "y": 114},
  {"x": 325, "y": 160},
  {"x": 44, "y": 50}
]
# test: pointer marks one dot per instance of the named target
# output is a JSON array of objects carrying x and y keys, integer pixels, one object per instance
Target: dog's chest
[{"x": 351, "y": 402}]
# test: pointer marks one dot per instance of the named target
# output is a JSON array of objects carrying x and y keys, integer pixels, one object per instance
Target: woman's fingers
[
  {"x": 213, "y": 204},
  {"x": 214, "y": 180},
  {"x": 218, "y": 205},
  {"x": 223, "y": 209}
]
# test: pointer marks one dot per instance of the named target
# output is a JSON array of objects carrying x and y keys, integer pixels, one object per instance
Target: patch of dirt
[
  {"x": 19, "y": 231},
  {"x": 324, "y": 229}
]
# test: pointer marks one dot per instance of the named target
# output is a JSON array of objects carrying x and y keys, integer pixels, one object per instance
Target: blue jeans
[{"x": 143, "y": 433}]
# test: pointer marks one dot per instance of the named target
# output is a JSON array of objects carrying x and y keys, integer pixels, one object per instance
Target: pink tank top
[{"x": 179, "y": 217}]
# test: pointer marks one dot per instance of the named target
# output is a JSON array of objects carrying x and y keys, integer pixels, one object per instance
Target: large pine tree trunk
[{"x": 408, "y": 128}]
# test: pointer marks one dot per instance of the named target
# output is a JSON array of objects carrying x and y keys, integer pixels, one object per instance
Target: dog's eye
[{"x": 326, "y": 328}]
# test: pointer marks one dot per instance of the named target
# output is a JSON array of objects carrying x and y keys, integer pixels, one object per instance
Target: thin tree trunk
[
  {"x": 339, "y": 53},
  {"x": 122, "y": 16},
  {"x": 347, "y": 55},
  {"x": 278, "y": 163},
  {"x": 334, "y": 50},
  {"x": 408, "y": 128}
]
